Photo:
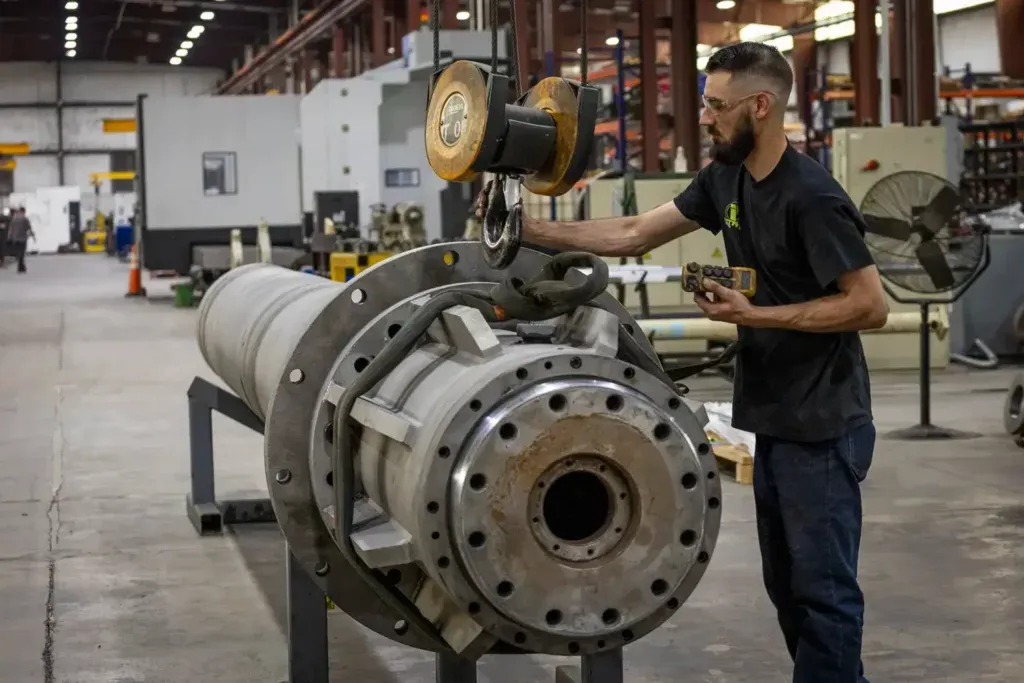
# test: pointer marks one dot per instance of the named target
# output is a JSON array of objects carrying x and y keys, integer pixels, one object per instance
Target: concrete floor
[{"x": 102, "y": 578}]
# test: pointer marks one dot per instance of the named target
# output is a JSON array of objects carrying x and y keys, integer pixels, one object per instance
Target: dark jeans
[
  {"x": 809, "y": 515},
  {"x": 18, "y": 251}
]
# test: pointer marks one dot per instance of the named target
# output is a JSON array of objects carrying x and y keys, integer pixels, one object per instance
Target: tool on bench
[
  {"x": 541, "y": 140},
  {"x": 743, "y": 280}
]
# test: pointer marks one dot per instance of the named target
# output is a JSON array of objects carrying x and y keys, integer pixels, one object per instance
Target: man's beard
[{"x": 735, "y": 151}]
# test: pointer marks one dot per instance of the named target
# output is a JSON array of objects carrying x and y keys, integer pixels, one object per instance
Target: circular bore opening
[
  {"x": 688, "y": 537},
  {"x": 577, "y": 505},
  {"x": 475, "y": 405},
  {"x": 360, "y": 364},
  {"x": 1016, "y": 402},
  {"x": 713, "y": 503},
  {"x": 507, "y": 431},
  {"x": 477, "y": 482},
  {"x": 703, "y": 449},
  {"x": 553, "y": 617},
  {"x": 576, "y": 362},
  {"x": 613, "y": 403},
  {"x": 393, "y": 330},
  {"x": 689, "y": 480},
  {"x": 659, "y": 587},
  {"x": 673, "y": 403},
  {"x": 450, "y": 258},
  {"x": 505, "y": 589},
  {"x": 359, "y": 297},
  {"x": 521, "y": 373},
  {"x": 662, "y": 431},
  {"x": 557, "y": 402},
  {"x": 610, "y": 617},
  {"x": 477, "y": 539}
]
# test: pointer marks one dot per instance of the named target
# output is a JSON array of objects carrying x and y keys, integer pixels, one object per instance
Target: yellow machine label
[
  {"x": 732, "y": 215},
  {"x": 13, "y": 149},
  {"x": 119, "y": 125},
  {"x": 717, "y": 253},
  {"x": 330, "y": 603}
]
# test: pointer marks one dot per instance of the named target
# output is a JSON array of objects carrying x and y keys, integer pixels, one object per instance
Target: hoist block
[{"x": 545, "y": 136}]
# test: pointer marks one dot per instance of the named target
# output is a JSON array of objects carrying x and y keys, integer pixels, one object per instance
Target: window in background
[{"x": 220, "y": 173}]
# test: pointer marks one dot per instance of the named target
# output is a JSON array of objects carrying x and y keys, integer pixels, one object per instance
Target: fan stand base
[{"x": 929, "y": 432}]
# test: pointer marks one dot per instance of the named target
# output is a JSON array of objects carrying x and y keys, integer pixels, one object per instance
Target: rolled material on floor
[{"x": 670, "y": 329}]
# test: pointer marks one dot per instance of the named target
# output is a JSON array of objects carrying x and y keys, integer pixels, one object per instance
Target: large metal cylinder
[{"x": 536, "y": 487}]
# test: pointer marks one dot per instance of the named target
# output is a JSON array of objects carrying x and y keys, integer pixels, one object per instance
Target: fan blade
[
  {"x": 940, "y": 209},
  {"x": 885, "y": 226},
  {"x": 929, "y": 253}
]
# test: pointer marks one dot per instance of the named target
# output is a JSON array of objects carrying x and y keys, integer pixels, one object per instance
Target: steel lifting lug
[{"x": 502, "y": 233}]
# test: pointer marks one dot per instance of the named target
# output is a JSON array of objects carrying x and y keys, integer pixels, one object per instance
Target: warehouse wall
[
  {"x": 262, "y": 132},
  {"x": 23, "y": 83},
  {"x": 968, "y": 36}
]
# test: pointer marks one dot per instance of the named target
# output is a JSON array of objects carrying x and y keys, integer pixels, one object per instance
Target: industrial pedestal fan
[{"x": 929, "y": 248}]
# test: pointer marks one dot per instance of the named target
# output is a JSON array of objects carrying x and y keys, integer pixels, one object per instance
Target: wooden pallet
[{"x": 736, "y": 462}]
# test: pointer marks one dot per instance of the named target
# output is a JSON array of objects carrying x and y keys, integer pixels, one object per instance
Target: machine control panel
[{"x": 743, "y": 280}]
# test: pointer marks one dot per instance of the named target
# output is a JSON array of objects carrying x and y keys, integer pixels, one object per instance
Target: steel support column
[
  {"x": 649, "y": 86},
  {"x": 379, "y": 33},
  {"x": 865, "y": 63},
  {"x": 338, "y": 52},
  {"x": 1009, "y": 22},
  {"x": 805, "y": 60},
  {"x": 685, "y": 101},
  {"x": 898, "y": 52},
  {"x": 926, "y": 96},
  {"x": 449, "y": 8}
]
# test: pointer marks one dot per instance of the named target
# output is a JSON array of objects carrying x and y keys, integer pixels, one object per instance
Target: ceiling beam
[{"x": 203, "y": 4}]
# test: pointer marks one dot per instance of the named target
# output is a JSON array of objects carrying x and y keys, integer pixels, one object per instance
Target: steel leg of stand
[
  {"x": 451, "y": 669},
  {"x": 604, "y": 667},
  {"x": 307, "y": 626},
  {"x": 202, "y": 501}
]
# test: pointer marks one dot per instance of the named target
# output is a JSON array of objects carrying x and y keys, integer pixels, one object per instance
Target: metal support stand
[
  {"x": 208, "y": 515},
  {"x": 307, "y": 626}
]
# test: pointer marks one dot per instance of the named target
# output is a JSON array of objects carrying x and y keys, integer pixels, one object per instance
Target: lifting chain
[{"x": 541, "y": 140}]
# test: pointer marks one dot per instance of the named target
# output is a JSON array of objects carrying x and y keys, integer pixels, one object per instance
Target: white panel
[
  {"x": 37, "y": 127},
  {"x": 83, "y": 128},
  {"x": 402, "y": 146},
  {"x": 262, "y": 132},
  {"x": 31, "y": 173},
  {"x": 313, "y": 116},
  {"x": 835, "y": 56},
  {"x": 970, "y": 37},
  {"x": 92, "y": 81},
  {"x": 28, "y": 82},
  {"x": 77, "y": 169}
]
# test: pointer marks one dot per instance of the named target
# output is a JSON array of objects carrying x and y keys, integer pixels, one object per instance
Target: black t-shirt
[{"x": 800, "y": 231}]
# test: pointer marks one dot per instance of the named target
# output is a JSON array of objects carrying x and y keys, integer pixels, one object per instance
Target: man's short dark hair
[{"x": 757, "y": 61}]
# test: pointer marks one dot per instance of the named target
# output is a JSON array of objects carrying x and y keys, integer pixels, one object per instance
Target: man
[
  {"x": 18, "y": 235},
  {"x": 801, "y": 383}
]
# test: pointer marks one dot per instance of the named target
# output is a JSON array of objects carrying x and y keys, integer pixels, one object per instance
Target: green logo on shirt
[{"x": 732, "y": 215}]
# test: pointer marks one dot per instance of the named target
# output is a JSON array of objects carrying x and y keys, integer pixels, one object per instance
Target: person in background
[
  {"x": 18, "y": 234},
  {"x": 5, "y": 220}
]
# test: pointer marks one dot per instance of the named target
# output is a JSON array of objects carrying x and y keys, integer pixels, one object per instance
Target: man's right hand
[{"x": 480, "y": 207}]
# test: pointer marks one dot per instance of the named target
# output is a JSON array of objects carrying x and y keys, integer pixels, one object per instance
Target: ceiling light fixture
[
  {"x": 206, "y": 16},
  {"x": 463, "y": 15},
  {"x": 71, "y": 5},
  {"x": 182, "y": 52},
  {"x": 187, "y": 44},
  {"x": 612, "y": 41},
  {"x": 195, "y": 32},
  {"x": 71, "y": 53},
  {"x": 725, "y": 4},
  {"x": 70, "y": 36},
  {"x": 71, "y": 20},
  {"x": 175, "y": 61},
  {"x": 69, "y": 45}
]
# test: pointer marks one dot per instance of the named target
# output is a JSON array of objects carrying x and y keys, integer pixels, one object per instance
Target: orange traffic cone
[{"x": 134, "y": 275}]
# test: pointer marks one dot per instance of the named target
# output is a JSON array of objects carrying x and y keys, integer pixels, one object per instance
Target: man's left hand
[{"x": 728, "y": 305}]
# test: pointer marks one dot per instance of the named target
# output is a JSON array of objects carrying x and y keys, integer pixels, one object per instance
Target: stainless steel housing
[{"x": 526, "y": 487}]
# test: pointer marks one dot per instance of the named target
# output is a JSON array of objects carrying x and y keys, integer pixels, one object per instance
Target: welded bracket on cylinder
[{"x": 208, "y": 515}]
